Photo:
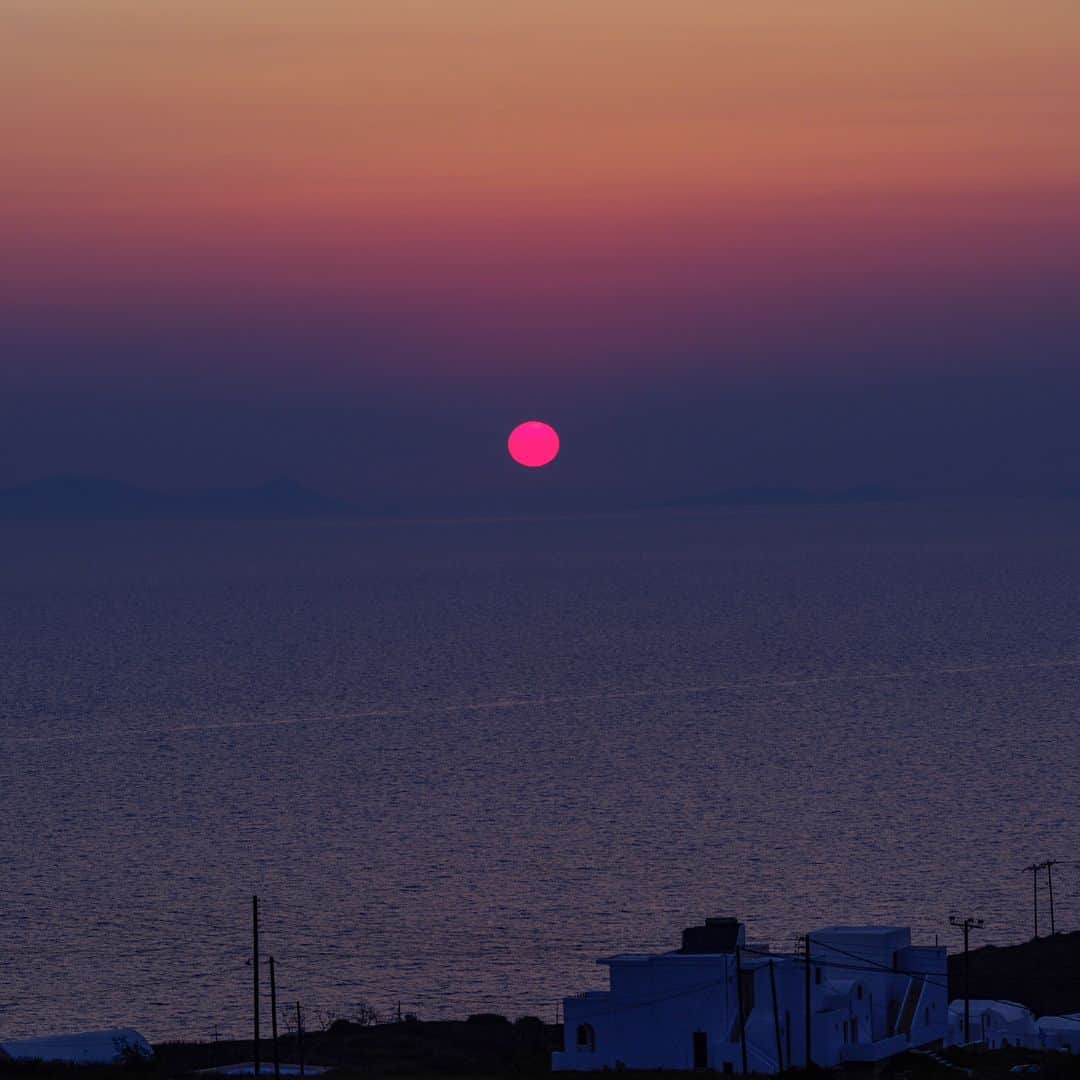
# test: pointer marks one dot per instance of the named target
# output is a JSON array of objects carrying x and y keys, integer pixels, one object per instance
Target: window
[
  {"x": 858, "y": 991},
  {"x": 845, "y": 1031},
  {"x": 817, "y": 976},
  {"x": 586, "y": 1038},
  {"x": 926, "y": 1014}
]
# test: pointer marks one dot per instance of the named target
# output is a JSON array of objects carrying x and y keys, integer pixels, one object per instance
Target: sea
[{"x": 459, "y": 761}]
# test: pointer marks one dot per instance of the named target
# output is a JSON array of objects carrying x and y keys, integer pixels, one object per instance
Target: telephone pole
[
  {"x": 255, "y": 975},
  {"x": 300, "y": 1038},
  {"x": 1049, "y": 865},
  {"x": 967, "y": 924},
  {"x": 273, "y": 1020},
  {"x": 742, "y": 1012},
  {"x": 1033, "y": 870},
  {"x": 776, "y": 1019},
  {"x": 809, "y": 1024}
]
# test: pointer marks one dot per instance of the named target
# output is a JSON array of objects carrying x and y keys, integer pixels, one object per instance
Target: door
[{"x": 701, "y": 1049}]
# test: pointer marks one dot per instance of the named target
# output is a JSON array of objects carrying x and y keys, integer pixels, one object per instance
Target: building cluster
[
  {"x": 849, "y": 994},
  {"x": 998, "y": 1024}
]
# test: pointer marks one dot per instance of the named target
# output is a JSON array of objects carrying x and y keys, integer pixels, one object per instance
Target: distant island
[
  {"x": 89, "y": 498},
  {"x": 785, "y": 496}
]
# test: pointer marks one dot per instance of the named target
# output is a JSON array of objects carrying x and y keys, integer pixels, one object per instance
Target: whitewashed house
[
  {"x": 872, "y": 994},
  {"x": 1060, "y": 1033},
  {"x": 106, "y": 1047},
  {"x": 996, "y": 1024}
]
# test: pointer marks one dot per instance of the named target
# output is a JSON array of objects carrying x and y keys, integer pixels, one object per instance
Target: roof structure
[
  {"x": 1007, "y": 1010},
  {"x": 103, "y": 1047},
  {"x": 1069, "y": 1022},
  {"x": 862, "y": 931}
]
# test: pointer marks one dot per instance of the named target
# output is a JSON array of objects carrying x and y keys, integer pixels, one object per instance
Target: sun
[{"x": 533, "y": 444}]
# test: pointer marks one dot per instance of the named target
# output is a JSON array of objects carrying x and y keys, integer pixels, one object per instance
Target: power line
[
  {"x": 925, "y": 976},
  {"x": 874, "y": 966},
  {"x": 1047, "y": 865},
  {"x": 865, "y": 965},
  {"x": 657, "y": 1000},
  {"x": 966, "y": 924}
]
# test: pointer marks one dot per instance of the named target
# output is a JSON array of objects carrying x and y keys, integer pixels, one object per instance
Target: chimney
[{"x": 718, "y": 935}]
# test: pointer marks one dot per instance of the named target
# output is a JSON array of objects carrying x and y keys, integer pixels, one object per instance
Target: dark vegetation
[
  {"x": 991, "y": 1064},
  {"x": 1043, "y": 974},
  {"x": 483, "y": 1046},
  {"x": 491, "y": 1047},
  {"x": 480, "y": 1046}
]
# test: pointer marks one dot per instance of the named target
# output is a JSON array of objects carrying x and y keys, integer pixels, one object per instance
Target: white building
[
  {"x": 872, "y": 994},
  {"x": 998, "y": 1024},
  {"x": 1060, "y": 1033},
  {"x": 995, "y": 1024},
  {"x": 82, "y": 1048}
]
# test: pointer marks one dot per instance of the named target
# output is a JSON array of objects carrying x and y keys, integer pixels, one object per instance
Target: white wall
[
  {"x": 655, "y": 1005},
  {"x": 648, "y": 1018}
]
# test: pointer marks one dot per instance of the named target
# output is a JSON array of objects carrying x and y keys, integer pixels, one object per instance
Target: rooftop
[{"x": 860, "y": 931}]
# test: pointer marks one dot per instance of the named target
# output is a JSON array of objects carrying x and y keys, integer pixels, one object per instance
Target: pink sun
[{"x": 533, "y": 443}]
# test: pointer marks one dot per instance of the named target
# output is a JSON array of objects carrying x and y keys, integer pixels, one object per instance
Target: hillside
[{"x": 1043, "y": 974}]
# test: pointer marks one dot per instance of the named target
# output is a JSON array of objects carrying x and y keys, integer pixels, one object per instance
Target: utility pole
[
  {"x": 255, "y": 975},
  {"x": 300, "y": 1038},
  {"x": 1033, "y": 870},
  {"x": 966, "y": 924},
  {"x": 776, "y": 1018},
  {"x": 273, "y": 1020},
  {"x": 1050, "y": 864},
  {"x": 809, "y": 1056},
  {"x": 742, "y": 1014}
]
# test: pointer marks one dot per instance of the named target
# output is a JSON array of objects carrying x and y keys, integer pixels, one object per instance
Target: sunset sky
[{"x": 321, "y": 194}]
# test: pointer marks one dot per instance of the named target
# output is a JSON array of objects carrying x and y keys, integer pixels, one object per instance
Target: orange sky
[
  {"x": 401, "y": 147},
  {"x": 366, "y": 106}
]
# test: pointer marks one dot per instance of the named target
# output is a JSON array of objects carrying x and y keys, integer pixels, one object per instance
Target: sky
[{"x": 451, "y": 215}]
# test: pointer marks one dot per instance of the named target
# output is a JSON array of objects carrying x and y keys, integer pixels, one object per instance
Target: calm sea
[{"x": 459, "y": 761}]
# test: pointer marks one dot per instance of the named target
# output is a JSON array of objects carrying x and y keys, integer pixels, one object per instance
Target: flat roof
[
  {"x": 670, "y": 954},
  {"x": 266, "y": 1068},
  {"x": 748, "y": 960},
  {"x": 862, "y": 931}
]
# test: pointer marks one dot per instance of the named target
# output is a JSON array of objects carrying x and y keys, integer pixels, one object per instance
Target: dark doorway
[{"x": 701, "y": 1050}]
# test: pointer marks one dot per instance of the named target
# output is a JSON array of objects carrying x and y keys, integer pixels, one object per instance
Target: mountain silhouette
[
  {"x": 91, "y": 497},
  {"x": 782, "y": 496}
]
